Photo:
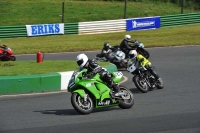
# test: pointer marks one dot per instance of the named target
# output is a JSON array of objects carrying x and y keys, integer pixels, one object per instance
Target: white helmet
[
  {"x": 132, "y": 53},
  {"x": 127, "y": 37},
  {"x": 81, "y": 60}
]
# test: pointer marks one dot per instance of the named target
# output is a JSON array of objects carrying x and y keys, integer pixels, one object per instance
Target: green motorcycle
[{"x": 90, "y": 93}]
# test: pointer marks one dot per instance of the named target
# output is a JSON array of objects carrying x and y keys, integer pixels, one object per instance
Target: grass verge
[
  {"x": 171, "y": 36},
  {"x": 31, "y": 67}
]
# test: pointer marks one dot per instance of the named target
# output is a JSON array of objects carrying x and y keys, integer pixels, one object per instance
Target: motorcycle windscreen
[{"x": 132, "y": 65}]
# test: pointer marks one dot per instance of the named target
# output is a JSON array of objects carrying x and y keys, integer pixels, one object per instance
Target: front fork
[
  {"x": 85, "y": 96},
  {"x": 82, "y": 94}
]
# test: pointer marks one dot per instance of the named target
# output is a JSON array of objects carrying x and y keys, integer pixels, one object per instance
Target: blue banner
[{"x": 143, "y": 23}]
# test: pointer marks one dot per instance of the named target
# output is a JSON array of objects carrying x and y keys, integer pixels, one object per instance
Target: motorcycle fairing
[
  {"x": 117, "y": 76},
  {"x": 106, "y": 103},
  {"x": 97, "y": 89}
]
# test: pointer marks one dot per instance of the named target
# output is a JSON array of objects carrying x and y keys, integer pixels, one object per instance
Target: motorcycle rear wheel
[
  {"x": 81, "y": 106},
  {"x": 126, "y": 103},
  {"x": 140, "y": 84}
]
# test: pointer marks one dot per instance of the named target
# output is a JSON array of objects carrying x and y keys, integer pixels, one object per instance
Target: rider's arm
[
  {"x": 93, "y": 67},
  {"x": 112, "y": 48},
  {"x": 127, "y": 45},
  {"x": 104, "y": 53},
  {"x": 132, "y": 41}
]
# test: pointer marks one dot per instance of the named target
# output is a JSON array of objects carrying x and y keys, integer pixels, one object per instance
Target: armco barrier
[
  {"x": 38, "y": 82},
  {"x": 180, "y": 19},
  {"x": 107, "y": 26},
  {"x": 20, "y": 31}
]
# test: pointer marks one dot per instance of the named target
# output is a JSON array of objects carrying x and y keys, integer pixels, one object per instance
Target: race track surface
[{"x": 174, "y": 109}]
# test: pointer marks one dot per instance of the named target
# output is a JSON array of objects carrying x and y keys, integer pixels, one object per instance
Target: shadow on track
[{"x": 73, "y": 112}]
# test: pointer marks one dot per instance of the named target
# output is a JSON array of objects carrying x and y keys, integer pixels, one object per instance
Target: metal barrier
[
  {"x": 20, "y": 31},
  {"x": 96, "y": 27},
  {"x": 71, "y": 28},
  {"x": 103, "y": 26},
  {"x": 12, "y": 31},
  {"x": 180, "y": 19}
]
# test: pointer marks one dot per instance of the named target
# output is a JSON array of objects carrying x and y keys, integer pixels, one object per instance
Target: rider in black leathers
[
  {"x": 93, "y": 68},
  {"x": 4, "y": 47},
  {"x": 125, "y": 46},
  {"x": 107, "y": 49}
]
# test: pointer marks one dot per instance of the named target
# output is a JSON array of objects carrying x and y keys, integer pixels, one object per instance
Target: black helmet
[{"x": 106, "y": 45}]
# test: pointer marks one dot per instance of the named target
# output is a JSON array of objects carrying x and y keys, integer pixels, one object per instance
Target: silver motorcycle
[{"x": 116, "y": 57}]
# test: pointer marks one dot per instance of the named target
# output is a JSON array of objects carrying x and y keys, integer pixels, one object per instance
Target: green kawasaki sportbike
[{"x": 90, "y": 93}]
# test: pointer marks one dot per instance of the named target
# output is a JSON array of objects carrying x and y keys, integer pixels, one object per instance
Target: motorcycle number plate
[{"x": 118, "y": 74}]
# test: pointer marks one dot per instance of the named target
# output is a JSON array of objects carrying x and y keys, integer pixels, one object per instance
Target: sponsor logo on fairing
[{"x": 107, "y": 102}]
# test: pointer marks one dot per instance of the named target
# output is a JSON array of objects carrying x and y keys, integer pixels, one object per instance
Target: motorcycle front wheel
[
  {"x": 126, "y": 100},
  {"x": 12, "y": 58},
  {"x": 81, "y": 106},
  {"x": 140, "y": 84}
]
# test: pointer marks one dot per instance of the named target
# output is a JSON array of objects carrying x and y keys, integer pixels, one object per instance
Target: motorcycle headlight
[{"x": 141, "y": 45}]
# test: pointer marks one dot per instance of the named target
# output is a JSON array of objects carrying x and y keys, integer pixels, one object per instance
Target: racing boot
[
  {"x": 110, "y": 85},
  {"x": 154, "y": 73},
  {"x": 114, "y": 90}
]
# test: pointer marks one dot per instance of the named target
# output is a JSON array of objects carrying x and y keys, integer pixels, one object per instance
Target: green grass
[
  {"x": 22, "y": 12},
  {"x": 174, "y": 36},
  {"x": 31, "y": 67}
]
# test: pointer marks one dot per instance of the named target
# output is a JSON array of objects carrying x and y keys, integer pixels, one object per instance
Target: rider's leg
[
  {"x": 153, "y": 72},
  {"x": 106, "y": 76}
]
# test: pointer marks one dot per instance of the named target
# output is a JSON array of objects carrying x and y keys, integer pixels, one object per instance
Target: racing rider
[
  {"x": 107, "y": 49},
  {"x": 93, "y": 68},
  {"x": 143, "y": 62},
  {"x": 5, "y": 48},
  {"x": 125, "y": 46}
]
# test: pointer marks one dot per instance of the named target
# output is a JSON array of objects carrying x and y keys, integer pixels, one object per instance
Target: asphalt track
[{"x": 174, "y": 109}]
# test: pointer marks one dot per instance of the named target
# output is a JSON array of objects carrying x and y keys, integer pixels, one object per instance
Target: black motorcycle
[
  {"x": 143, "y": 79},
  {"x": 139, "y": 47}
]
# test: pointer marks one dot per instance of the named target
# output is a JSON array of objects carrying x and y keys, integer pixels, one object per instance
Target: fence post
[
  {"x": 63, "y": 12},
  {"x": 182, "y": 6},
  {"x": 125, "y": 9}
]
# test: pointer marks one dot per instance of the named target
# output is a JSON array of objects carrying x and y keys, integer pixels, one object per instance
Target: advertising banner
[
  {"x": 44, "y": 29},
  {"x": 142, "y": 23}
]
